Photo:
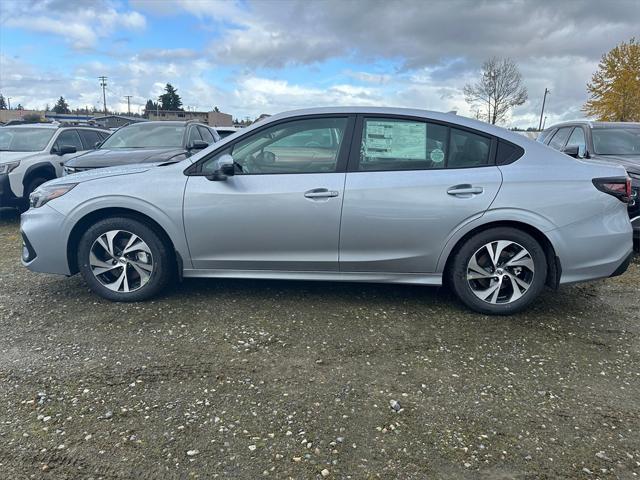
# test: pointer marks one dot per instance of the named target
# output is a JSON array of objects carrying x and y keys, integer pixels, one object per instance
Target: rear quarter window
[{"x": 508, "y": 153}]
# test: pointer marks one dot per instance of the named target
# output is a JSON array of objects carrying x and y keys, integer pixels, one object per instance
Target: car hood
[
  {"x": 123, "y": 156},
  {"x": 102, "y": 173},
  {"x": 6, "y": 157},
  {"x": 630, "y": 162}
]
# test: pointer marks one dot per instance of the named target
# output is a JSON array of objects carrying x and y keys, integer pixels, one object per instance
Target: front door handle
[
  {"x": 321, "y": 193},
  {"x": 465, "y": 189}
]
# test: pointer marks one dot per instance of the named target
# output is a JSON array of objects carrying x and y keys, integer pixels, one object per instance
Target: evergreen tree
[
  {"x": 61, "y": 106},
  {"x": 170, "y": 100},
  {"x": 3, "y": 103}
]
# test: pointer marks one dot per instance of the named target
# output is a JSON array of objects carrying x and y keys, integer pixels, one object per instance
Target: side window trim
[
  {"x": 354, "y": 154},
  {"x": 341, "y": 164}
]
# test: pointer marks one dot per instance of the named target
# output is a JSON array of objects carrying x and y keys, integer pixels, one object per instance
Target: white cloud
[{"x": 82, "y": 27}]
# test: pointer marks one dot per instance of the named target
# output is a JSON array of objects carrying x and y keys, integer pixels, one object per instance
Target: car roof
[
  {"x": 594, "y": 124},
  {"x": 170, "y": 122},
  {"x": 35, "y": 125},
  {"x": 409, "y": 112}
]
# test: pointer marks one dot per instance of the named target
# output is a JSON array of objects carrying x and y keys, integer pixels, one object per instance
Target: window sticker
[
  {"x": 393, "y": 139},
  {"x": 437, "y": 156}
]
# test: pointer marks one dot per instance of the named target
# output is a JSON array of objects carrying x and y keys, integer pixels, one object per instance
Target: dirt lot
[{"x": 252, "y": 379}]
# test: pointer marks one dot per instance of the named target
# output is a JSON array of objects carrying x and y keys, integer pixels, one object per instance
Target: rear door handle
[
  {"x": 465, "y": 189},
  {"x": 321, "y": 193}
]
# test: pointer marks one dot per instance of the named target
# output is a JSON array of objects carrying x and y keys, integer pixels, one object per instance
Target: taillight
[{"x": 619, "y": 187}]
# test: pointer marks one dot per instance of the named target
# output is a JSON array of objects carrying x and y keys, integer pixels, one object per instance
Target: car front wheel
[
  {"x": 124, "y": 260},
  {"x": 499, "y": 271}
]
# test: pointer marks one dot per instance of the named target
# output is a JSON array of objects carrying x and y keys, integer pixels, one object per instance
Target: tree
[
  {"x": 3, "y": 103},
  {"x": 61, "y": 106},
  {"x": 19, "y": 107},
  {"x": 499, "y": 89},
  {"x": 615, "y": 88},
  {"x": 170, "y": 100},
  {"x": 151, "y": 106},
  {"x": 32, "y": 118}
]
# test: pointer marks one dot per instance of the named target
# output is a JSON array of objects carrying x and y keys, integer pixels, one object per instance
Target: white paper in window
[{"x": 393, "y": 139}]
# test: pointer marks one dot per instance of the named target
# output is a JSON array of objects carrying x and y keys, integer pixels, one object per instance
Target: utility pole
[
  {"x": 103, "y": 84},
  {"x": 544, "y": 99},
  {"x": 128, "y": 97},
  {"x": 9, "y": 102}
]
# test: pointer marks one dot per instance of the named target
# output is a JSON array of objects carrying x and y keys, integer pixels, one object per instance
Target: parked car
[
  {"x": 146, "y": 142},
  {"x": 613, "y": 142},
  {"x": 343, "y": 194},
  {"x": 226, "y": 131},
  {"x": 31, "y": 154}
]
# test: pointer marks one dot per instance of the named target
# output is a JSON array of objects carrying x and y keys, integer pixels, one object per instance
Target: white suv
[{"x": 32, "y": 154}]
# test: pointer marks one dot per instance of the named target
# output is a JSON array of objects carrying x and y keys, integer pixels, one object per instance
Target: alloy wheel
[
  {"x": 121, "y": 261},
  {"x": 500, "y": 272}
]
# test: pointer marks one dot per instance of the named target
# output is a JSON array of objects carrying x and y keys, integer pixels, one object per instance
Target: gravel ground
[{"x": 252, "y": 379}]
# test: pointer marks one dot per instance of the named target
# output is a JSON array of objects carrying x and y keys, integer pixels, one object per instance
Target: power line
[{"x": 103, "y": 84}]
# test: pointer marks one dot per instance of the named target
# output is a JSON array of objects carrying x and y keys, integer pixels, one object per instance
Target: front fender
[{"x": 167, "y": 216}]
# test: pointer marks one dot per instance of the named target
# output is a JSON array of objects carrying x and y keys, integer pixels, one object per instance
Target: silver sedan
[{"x": 343, "y": 194}]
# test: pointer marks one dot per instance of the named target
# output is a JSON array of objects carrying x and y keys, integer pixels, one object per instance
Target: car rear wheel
[
  {"x": 124, "y": 260},
  {"x": 499, "y": 271}
]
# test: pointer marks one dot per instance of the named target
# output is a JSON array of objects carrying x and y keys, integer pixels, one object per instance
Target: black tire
[
  {"x": 31, "y": 187},
  {"x": 458, "y": 270},
  {"x": 164, "y": 263}
]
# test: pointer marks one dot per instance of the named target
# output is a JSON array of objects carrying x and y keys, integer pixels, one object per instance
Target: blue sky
[{"x": 251, "y": 57}]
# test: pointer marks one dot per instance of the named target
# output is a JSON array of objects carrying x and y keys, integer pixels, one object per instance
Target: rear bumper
[
  {"x": 623, "y": 266},
  {"x": 595, "y": 247}
]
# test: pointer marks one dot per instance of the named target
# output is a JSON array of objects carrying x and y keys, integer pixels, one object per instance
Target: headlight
[
  {"x": 47, "y": 193},
  {"x": 8, "y": 167}
]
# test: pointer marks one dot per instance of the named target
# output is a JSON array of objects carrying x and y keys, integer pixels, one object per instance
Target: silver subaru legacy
[{"x": 343, "y": 194}]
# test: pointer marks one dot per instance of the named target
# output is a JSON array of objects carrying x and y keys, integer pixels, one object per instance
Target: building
[
  {"x": 117, "y": 121},
  {"x": 213, "y": 119},
  {"x": 67, "y": 117}
]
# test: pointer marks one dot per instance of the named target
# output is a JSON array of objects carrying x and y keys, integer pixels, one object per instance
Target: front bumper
[
  {"x": 7, "y": 197},
  {"x": 44, "y": 241}
]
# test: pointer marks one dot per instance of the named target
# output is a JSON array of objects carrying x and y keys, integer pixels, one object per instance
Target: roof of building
[{"x": 125, "y": 117}]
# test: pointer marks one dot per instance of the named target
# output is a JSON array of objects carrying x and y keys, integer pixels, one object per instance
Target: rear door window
[
  {"x": 468, "y": 149},
  {"x": 397, "y": 144}
]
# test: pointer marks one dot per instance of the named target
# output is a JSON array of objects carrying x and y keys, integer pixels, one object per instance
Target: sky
[{"x": 249, "y": 57}]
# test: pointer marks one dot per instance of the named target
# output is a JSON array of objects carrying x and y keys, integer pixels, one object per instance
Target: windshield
[
  {"x": 616, "y": 141},
  {"x": 24, "y": 139},
  {"x": 143, "y": 135}
]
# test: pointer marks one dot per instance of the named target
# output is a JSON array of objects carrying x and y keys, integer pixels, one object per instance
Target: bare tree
[{"x": 499, "y": 89}]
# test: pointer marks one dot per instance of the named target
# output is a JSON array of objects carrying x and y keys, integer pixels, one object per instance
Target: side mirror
[
  {"x": 572, "y": 151},
  {"x": 97, "y": 145},
  {"x": 198, "y": 145},
  {"x": 64, "y": 149},
  {"x": 224, "y": 168}
]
